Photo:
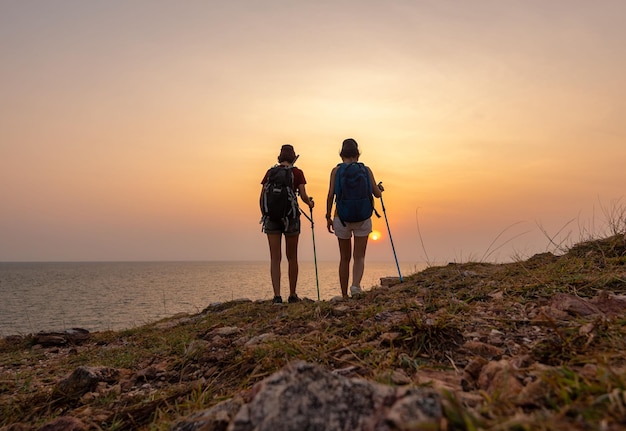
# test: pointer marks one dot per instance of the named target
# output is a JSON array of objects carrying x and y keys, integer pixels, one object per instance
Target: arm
[
  {"x": 300, "y": 185},
  {"x": 261, "y": 194},
  {"x": 261, "y": 200},
  {"x": 377, "y": 189},
  {"x": 304, "y": 196},
  {"x": 330, "y": 199}
]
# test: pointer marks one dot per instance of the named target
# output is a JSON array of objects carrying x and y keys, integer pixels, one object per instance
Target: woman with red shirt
[{"x": 290, "y": 228}]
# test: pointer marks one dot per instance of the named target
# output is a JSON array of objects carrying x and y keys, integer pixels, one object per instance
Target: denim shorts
[
  {"x": 272, "y": 227},
  {"x": 359, "y": 228}
]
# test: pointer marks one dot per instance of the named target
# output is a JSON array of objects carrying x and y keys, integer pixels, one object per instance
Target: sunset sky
[{"x": 140, "y": 130}]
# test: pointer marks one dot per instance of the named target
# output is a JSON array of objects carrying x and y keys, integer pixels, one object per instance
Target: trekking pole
[
  {"x": 317, "y": 282},
  {"x": 382, "y": 203}
]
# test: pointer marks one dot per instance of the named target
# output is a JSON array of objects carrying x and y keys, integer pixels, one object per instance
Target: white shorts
[{"x": 359, "y": 228}]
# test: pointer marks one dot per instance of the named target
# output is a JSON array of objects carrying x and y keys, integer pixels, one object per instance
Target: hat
[{"x": 287, "y": 153}]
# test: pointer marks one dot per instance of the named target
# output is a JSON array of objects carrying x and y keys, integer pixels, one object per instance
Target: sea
[{"x": 99, "y": 296}]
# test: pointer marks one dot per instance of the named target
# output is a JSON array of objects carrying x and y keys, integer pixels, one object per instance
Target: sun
[{"x": 375, "y": 235}]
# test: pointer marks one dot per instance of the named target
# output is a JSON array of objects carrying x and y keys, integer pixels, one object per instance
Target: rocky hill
[{"x": 531, "y": 345}]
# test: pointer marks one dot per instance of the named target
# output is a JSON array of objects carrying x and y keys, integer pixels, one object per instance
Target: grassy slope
[{"x": 427, "y": 330}]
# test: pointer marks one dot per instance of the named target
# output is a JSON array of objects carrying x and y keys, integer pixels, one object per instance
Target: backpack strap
[
  {"x": 293, "y": 195},
  {"x": 340, "y": 168}
]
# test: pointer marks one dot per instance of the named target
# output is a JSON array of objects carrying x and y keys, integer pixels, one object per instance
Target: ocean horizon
[{"x": 116, "y": 295}]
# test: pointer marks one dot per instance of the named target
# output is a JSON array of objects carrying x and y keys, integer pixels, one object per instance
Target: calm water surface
[{"x": 119, "y": 295}]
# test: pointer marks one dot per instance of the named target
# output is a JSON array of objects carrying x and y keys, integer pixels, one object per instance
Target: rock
[
  {"x": 548, "y": 314},
  {"x": 414, "y": 409},
  {"x": 610, "y": 303},
  {"x": 537, "y": 387},
  {"x": 574, "y": 305},
  {"x": 438, "y": 380},
  {"x": 341, "y": 310},
  {"x": 397, "y": 377},
  {"x": 534, "y": 393},
  {"x": 541, "y": 259},
  {"x": 17, "y": 427},
  {"x": 70, "y": 336},
  {"x": 497, "y": 295},
  {"x": 64, "y": 423},
  {"x": 391, "y": 317},
  {"x": 389, "y": 281},
  {"x": 85, "y": 379},
  {"x": 388, "y": 338},
  {"x": 196, "y": 349},
  {"x": 482, "y": 349},
  {"x": 303, "y": 396},
  {"x": 226, "y": 331},
  {"x": 564, "y": 305},
  {"x": 260, "y": 339},
  {"x": 49, "y": 339},
  {"x": 152, "y": 372},
  {"x": 217, "y": 418},
  {"x": 499, "y": 377},
  {"x": 497, "y": 338},
  {"x": 347, "y": 371},
  {"x": 472, "y": 372}
]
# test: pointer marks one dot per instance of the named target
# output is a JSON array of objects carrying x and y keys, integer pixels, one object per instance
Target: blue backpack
[{"x": 353, "y": 190}]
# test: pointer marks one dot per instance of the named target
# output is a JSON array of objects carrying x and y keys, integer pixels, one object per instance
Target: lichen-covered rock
[{"x": 304, "y": 396}]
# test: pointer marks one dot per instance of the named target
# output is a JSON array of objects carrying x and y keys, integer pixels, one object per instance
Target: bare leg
[
  {"x": 345, "y": 254},
  {"x": 360, "y": 245},
  {"x": 291, "y": 251},
  {"x": 275, "y": 258}
]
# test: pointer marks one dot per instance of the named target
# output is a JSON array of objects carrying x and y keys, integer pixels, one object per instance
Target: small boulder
[{"x": 85, "y": 379}]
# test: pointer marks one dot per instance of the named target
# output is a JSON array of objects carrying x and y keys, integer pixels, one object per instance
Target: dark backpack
[
  {"x": 353, "y": 189},
  {"x": 278, "y": 200}
]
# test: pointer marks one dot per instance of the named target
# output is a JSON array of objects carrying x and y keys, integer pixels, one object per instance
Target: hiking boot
[
  {"x": 355, "y": 290},
  {"x": 293, "y": 298},
  {"x": 277, "y": 300}
]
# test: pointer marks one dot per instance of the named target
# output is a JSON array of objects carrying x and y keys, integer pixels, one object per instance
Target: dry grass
[{"x": 420, "y": 327}]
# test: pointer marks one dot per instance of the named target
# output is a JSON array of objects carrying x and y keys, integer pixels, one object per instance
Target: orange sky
[{"x": 141, "y": 130}]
